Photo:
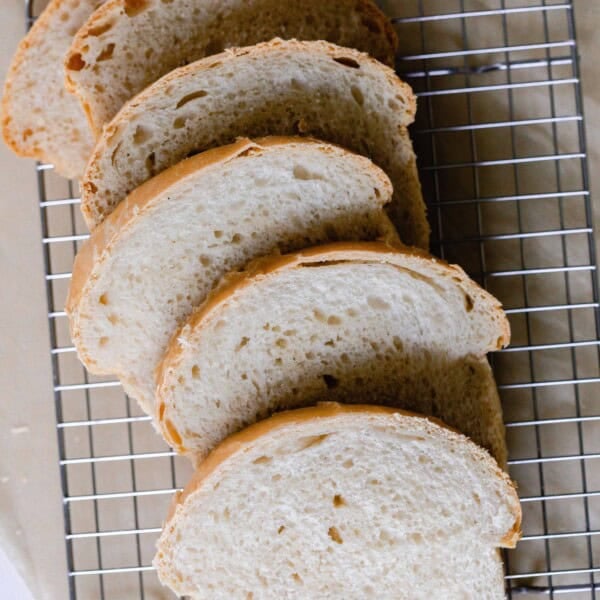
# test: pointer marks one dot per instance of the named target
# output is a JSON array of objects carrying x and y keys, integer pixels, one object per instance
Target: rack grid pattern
[{"x": 502, "y": 157}]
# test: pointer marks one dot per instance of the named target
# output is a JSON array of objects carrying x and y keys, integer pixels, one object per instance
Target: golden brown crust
[
  {"x": 383, "y": 252},
  {"x": 239, "y": 441}
]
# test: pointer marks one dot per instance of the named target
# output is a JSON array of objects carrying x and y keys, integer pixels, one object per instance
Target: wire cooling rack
[{"x": 502, "y": 157}]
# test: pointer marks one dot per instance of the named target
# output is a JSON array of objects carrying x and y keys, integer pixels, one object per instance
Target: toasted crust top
[{"x": 242, "y": 441}]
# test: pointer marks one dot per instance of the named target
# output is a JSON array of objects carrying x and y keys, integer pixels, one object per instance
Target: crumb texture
[
  {"x": 277, "y": 88},
  {"x": 278, "y": 196},
  {"x": 127, "y": 46},
  {"x": 353, "y": 506},
  {"x": 41, "y": 119},
  {"x": 376, "y": 328}
]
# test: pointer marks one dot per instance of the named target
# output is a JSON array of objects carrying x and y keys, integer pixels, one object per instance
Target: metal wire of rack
[{"x": 501, "y": 145}]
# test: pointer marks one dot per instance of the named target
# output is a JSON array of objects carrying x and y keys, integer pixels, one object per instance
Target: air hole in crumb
[
  {"x": 348, "y": 463},
  {"x": 141, "y": 135},
  {"x": 338, "y": 501},
  {"x": 103, "y": 299},
  {"x": 319, "y": 315},
  {"x": 190, "y": 97},
  {"x": 334, "y": 534},
  {"x": 416, "y": 537},
  {"x": 281, "y": 529},
  {"x": 309, "y": 355},
  {"x": 181, "y": 380},
  {"x": 218, "y": 234},
  {"x": 262, "y": 460},
  {"x": 347, "y": 62},
  {"x": 377, "y": 192},
  {"x": 297, "y": 578},
  {"x": 281, "y": 343},
  {"x": 351, "y": 312},
  {"x": 242, "y": 343},
  {"x": 312, "y": 440},
  {"x": 75, "y": 62},
  {"x": 357, "y": 95},
  {"x": 330, "y": 381},
  {"x": 236, "y": 239},
  {"x": 179, "y": 122},
  {"x": 377, "y": 303},
  {"x": 276, "y": 477},
  {"x": 303, "y": 174},
  {"x": 99, "y": 29},
  {"x": 103, "y": 341},
  {"x": 135, "y": 7},
  {"x": 106, "y": 54},
  {"x": 469, "y": 303},
  {"x": 196, "y": 372},
  {"x": 334, "y": 320},
  {"x": 113, "y": 319},
  {"x": 205, "y": 261},
  {"x": 330, "y": 343}
]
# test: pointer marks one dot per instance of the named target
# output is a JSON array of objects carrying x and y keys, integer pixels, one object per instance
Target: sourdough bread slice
[
  {"x": 365, "y": 321},
  {"x": 41, "y": 119},
  {"x": 127, "y": 45},
  {"x": 342, "y": 502},
  {"x": 277, "y": 88},
  {"x": 164, "y": 248}
]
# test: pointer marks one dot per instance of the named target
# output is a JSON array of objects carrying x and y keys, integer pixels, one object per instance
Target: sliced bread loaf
[
  {"x": 164, "y": 248},
  {"x": 41, "y": 119},
  {"x": 127, "y": 45},
  {"x": 364, "y": 321},
  {"x": 277, "y": 88},
  {"x": 342, "y": 502}
]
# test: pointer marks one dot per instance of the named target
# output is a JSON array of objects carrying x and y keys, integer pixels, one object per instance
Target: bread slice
[
  {"x": 165, "y": 247},
  {"x": 41, "y": 119},
  {"x": 363, "y": 321},
  {"x": 126, "y": 46},
  {"x": 277, "y": 88},
  {"x": 342, "y": 502}
]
